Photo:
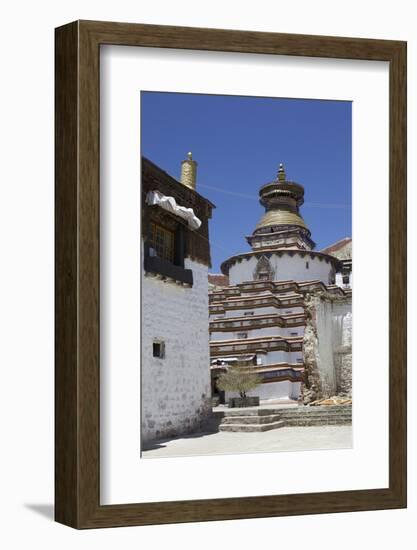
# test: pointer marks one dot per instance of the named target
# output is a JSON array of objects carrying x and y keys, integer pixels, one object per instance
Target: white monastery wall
[
  {"x": 221, "y": 335},
  {"x": 273, "y": 390},
  {"x": 175, "y": 390},
  {"x": 278, "y": 356},
  {"x": 257, "y": 333},
  {"x": 258, "y": 311},
  {"x": 287, "y": 310},
  {"x": 339, "y": 280},
  {"x": 286, "y": 267}
]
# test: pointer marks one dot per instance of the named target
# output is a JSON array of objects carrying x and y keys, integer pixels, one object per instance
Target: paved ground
[{"x": 282, "y": 439}]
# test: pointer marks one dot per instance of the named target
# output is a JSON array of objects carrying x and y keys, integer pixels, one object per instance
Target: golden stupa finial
[
  {"x": 281, "y": 172},
  {"x": 189, "y": 171}
]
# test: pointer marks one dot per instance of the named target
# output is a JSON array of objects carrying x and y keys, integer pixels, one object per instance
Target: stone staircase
[
  {"x": 250, "y": 420},
  {"x": 317, "y": 416},
  {"x": 264, "y": 419}
]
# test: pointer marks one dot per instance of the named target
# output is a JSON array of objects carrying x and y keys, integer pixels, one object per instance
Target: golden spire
[
  {"x": 189, "y": 171},
  {"x": 281, "y": 200},
  {"x": 280, "y": 217}
]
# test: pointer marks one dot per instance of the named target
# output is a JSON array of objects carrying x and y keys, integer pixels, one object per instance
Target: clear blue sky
[{"x": 239, "y": 142}]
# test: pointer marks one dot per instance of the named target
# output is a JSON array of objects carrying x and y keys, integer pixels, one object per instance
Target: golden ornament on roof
[{"x": 280, "y": 217}]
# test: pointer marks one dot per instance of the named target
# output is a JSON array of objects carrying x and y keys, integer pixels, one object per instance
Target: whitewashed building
[
  {"x": 257, "y": 320},
  {"x": 342, "y": 250},
  {"x": 175, "y": 379}
]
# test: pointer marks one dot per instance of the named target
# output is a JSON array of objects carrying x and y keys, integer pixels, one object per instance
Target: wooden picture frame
[{"x": 77, "y": 404}]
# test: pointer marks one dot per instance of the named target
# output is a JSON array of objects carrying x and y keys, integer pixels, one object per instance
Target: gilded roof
[{"x": 280, "y": 217}]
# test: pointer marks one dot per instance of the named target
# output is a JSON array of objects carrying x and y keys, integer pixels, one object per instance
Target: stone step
[
  {"x": 249, "y": 412},
  {"x": 310, "y": 410},
  {"x": 265, "y": 419},
  {"x": 318, "y": 422},
  {"x": 313, "y": 413},
  {"x": 334, "y": 409},
  {"x": 316, "y": 415},
  {"x": 306, "y": 410},
  {"x": 327, "y": 408},
  {"x": 251, "y": 427}
]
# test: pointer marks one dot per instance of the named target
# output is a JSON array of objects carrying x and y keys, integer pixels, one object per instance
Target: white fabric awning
[
  {"x": 170, "y": 204},
  {"x": 233, "y": 359},
  {"x": 224, "y": 359}
]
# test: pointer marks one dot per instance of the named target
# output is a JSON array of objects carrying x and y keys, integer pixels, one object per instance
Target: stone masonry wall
[
  {"x": 327, "y": 347},
  {"x": 175, "y": 391},
  {"x": 343, "y": 356}
]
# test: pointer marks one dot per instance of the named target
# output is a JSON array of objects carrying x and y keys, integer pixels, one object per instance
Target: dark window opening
[
  {"x": 158, "y": 349},
  {"x": 307, "y": 265}
]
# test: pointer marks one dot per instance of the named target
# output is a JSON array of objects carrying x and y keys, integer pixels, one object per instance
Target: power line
[
  {"x": 254, "y": 197},
  {"x": 225, "y": 192},
  {"x": 326, "y": 205}
]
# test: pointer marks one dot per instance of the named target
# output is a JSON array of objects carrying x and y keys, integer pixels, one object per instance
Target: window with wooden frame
[
  {"x": 164, "y": 252},
  {"x": 162, "y": 241}
]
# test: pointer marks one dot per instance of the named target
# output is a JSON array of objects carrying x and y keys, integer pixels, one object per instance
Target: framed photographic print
[{"x": 230, "y": 274}]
